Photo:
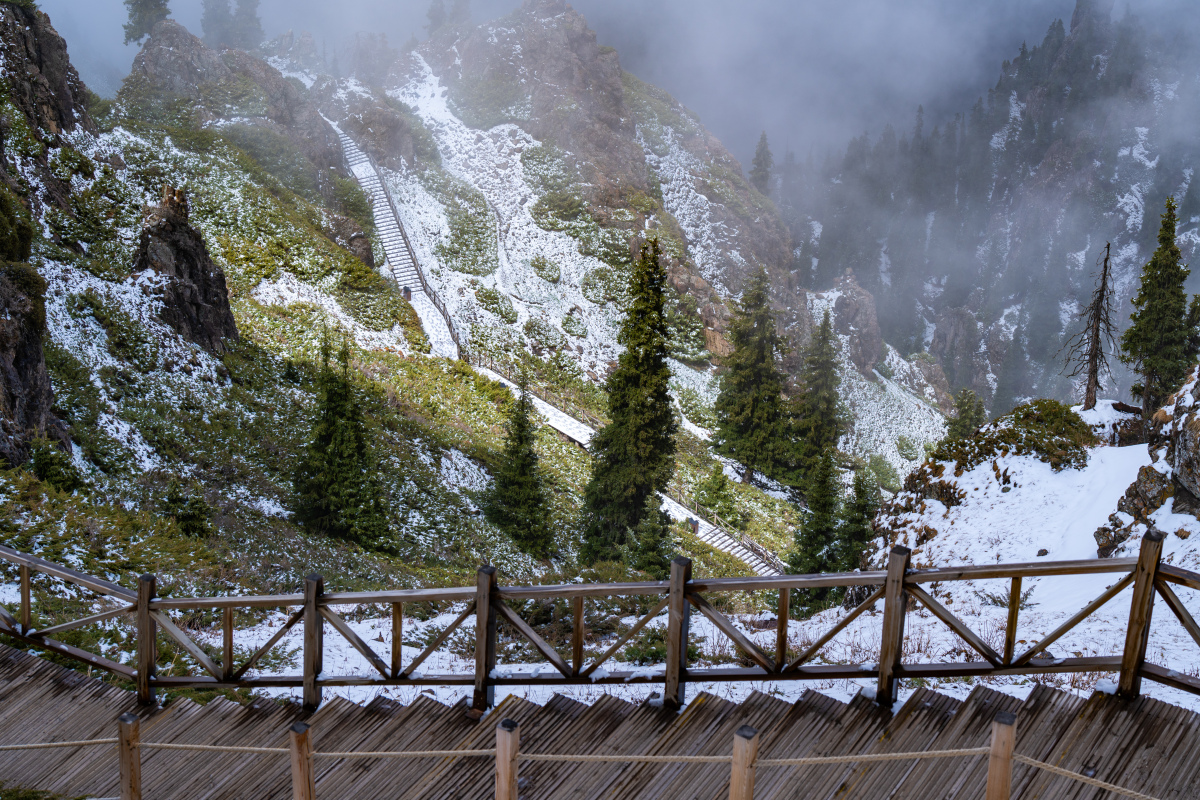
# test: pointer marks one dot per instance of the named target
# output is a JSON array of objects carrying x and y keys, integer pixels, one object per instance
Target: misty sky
[{"x": 812, "y": 74}]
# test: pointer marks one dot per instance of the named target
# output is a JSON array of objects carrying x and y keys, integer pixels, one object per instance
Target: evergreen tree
[
  {"x": 436, "y": 16},
  {"x": 190, "y": 512},
  {"x": 1159, "y": 344},
  {"x": 816, "y": 548},
  {"x": 247, "y": 27},
  {"x": 217, "y": 23},
  {"x": 337, "y": 493},
  {"x": 649, "y": 547},
  {"x": 760, "y": 172},
  {"x": 143, "y": 16},
  {"x": 817, "y": 419},
  {"x": 517, "y": 501},
  {"x": 715, "y": 493},
  {"x": 858, "y": 517},
  {"x": 634, "y": 456},
  {"x": 969, "y": 415},
  {"x": 751, "y": 423},
  {"x": 1086, "y": 353},
  {"x": 54, "y": 465}
]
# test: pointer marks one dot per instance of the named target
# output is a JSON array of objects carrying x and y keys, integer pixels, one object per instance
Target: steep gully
[{"x": 445, "y": 342}]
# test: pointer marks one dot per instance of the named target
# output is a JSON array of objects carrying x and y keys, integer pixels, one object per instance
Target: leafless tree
[{"x": 1087, "y": 350}]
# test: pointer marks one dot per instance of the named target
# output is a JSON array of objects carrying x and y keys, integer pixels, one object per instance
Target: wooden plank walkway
[{"x": 1142, "y": 744}]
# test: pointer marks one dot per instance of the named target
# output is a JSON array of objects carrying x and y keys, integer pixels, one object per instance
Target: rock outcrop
[
  {"x": 854, "y": 316},
  {"x": 378, "y": 128},
  {"x": 174, "y": 260}
]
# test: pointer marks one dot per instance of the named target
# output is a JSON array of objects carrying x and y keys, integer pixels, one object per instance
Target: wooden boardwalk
[{"x": 1141, "y": 744}]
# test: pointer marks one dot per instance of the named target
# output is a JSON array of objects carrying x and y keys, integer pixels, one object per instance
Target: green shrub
[
  {"x": 277, "y": 155},
  {"x": 555, "y": 211},
  {"x": 885, "y": 474},
  {"x": 907, "y": 448},
  {"x": 545, "y": 269},
  {"x": 602, "y": 285},
  {"x": 352, "y": 202},
  {"x": 541, "y": 331},
  {"x": 650, "y": 647},
  {"x": 54, "y": 466},
  {"x": 1047, "y": 429},
  {"x": 883, "y": 369},
  {"x": 574, "y": 325},
  {"x": 497, "y": 303}
]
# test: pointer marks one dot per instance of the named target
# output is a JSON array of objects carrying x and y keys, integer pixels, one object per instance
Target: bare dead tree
[{"x": 1086, "y": 350}]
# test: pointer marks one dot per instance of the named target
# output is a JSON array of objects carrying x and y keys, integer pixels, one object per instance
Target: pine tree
[
  {"x": 969, "y": 415},
  {"x": 1160, "y": 343},
  {"x": 816, "y": 548},
  {"x": 247, "y": 26},
  {"x": 858, "y": 517},
  {"x": 143, "y": 16},
  {"x": 517, "y": 501},
  {"x": 715, "y": 493},
  {"x": 217, "y": 23},
  {"x": 817, "y": 421},
  {"x": 1086, "y": 353},
  {"x": 337, "y": 493},
  {"x": 436, "y": 16},
  {"x": 760, "y": 172},
  {"x": 751, "y": 423},
  {"x": 633, "y": 457},
  {"x": 649, "y": 547}
]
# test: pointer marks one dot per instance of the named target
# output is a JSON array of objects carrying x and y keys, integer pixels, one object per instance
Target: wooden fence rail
[
  {"x": 744, "y": 761},
  {"x": 898, "y": 588}
]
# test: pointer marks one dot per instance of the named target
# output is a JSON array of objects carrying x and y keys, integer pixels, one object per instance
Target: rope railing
[{"x": 743, "y": 761}]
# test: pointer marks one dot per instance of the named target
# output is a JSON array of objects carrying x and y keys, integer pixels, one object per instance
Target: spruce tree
[
  {"x": 857, "y": 528},
  {"x": 649, "y": 547},
  {"x": 436, "y": 16},
  {"x": 143, "y": 16},
  {"x": 1087, "y": 350},
  {"x": 1160, "y": 343},
  {"x": 337, "y": 492},
  {"x": 969, "y": 415},
  {"x": 217, "y": 24},
  {"x": 517, "y": 502},
  {"x": 816, "y": 548},
  {"x": 760, "y": 172},
  {"x": 633, "y": 457},
  {"x": 247, "y": 27},
  {"x": 751, "y": 422},
  {"x": 715, "y": 493},
  {"x": 817, "y": 420}
]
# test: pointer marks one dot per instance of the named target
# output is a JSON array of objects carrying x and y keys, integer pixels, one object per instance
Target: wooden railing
[
  {"x": 713, "y": 518},
  {"x": 487, "y": 604}
]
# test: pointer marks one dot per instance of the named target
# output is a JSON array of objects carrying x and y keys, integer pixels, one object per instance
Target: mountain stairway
[{"x": 1141, "y": 744}]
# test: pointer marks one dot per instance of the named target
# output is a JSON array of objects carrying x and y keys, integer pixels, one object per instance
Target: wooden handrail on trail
[{"x": 897, "y": 588}]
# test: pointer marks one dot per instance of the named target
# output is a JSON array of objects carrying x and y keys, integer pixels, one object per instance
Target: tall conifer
[
  {"x": 818, "y": 423},
  {"x": 1160, "y": 344},
  {"x": 969, "y": 415},
  {"x": 751, "y": 421},
  {"x": 634, "y": 456},
  {"x": 760, "y": 172},
  {"x": 649, "y": 547},
  {"x": 858, "y": 517},
  {"x": 816, "y": 547},
  {"x": 517, "y": 501},
  {"x": 143, "y": 16},
  {"x": 247, "y": 27},
  {"x": 217, "y": 24},
  {"x": 337, "y": 491}
]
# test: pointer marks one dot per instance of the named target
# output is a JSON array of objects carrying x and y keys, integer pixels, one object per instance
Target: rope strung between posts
[
  {"x": 48, "y": 745},
  {"x": 817, "y": 760},
  {"x": 583, "y": 759},
  {"x": 408, "y": 754},
  {"x": 217, "y": 748},
  {"x": 1075, "y": 776}
]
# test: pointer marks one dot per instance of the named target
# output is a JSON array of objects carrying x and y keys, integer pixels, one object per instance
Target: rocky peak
[
  {"x": 175, "y": 264},
  {"x": 44, "y": 85}
]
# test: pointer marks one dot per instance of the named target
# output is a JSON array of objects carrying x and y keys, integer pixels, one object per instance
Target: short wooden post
[
  {"x": 227, "y": 631},
  {"x": 26, "y": 606},
  {"x": 745, "y": 754},
  {"x": 508, "y": 744},
  {"x": 577, "y": 634},
  {"x": 128, "y": 742},
  {"x": 314, "y": 641},
  {"x": 303, "y": 785},
  {"x": 1004, "y": 737},
  {"x": 147, "y": 644},
  {"x": 1137, "y": 634},
  {"x": 894, "y": 601},
  {"x": 485, "y": 639},
  {"x": 678, "y": 617},
  {"x": 397, "y": 637},
  {"x": 781, "y": 629}
]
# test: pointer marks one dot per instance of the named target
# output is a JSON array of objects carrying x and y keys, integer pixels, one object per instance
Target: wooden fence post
[
  {"x": 678, "y": 616},
  {"x": 147, "y": 644},
  {"x": 577, "y": 634},
  {"x": 485, "y": 639},
  {"x": 508, "y": 745},
  {"x": 745, "y": 754},
  {"x": 895, "y": 601},
  {"x": 1004, "y": 737},
  {"x": 303, "y": 785},
  {"x": 227, "y": 642},
  {"x": 129, "y": 740},
  {"x": 781, "y": 629},
  {"x": 26, "y": 599},
  {"x": 1136, "y": 635},
  {"x": 397, "y": 637},
  {"x": 314, "y": 641}
]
